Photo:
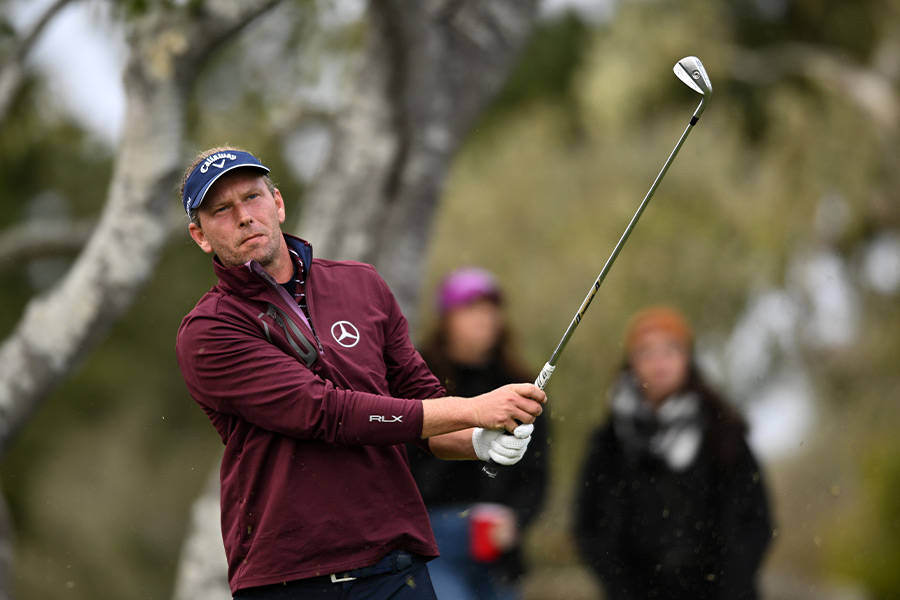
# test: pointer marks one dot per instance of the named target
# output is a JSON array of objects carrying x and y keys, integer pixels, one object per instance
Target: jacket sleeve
[
  {"x": 600, "y": 517},
  {"x": 230, "y": 368}
]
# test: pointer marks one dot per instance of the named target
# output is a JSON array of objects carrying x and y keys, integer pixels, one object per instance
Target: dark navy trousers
[{"x": 410, "y": 583}]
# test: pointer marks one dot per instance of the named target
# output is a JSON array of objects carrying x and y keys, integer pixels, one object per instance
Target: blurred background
[{"x": 777, "y": 231}]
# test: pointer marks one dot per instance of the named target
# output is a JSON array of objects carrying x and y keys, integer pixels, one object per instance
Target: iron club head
[{"x": 690, "y": 70}]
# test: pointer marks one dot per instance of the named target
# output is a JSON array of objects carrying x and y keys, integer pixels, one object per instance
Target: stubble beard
[{"x": 266, "y": 256}]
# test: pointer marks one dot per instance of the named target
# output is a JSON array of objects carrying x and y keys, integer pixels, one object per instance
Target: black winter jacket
[
  {"x": 521, "y": 487},
  {"x": 650, "y": 532}
]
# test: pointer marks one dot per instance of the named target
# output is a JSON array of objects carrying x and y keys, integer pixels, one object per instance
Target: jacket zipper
[{"x": 256, "y": 268}]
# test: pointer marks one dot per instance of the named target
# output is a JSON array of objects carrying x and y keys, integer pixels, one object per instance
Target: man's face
[{"x": 240, "y": 220}]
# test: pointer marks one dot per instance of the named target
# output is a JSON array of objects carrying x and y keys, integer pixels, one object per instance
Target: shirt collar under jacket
[{"x": 241, "y": 280}]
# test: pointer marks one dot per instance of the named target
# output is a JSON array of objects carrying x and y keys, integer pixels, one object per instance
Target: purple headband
[{"x": 465, "y": 285}]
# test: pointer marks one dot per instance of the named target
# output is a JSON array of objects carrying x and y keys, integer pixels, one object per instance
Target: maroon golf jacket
[{"x": 315, "y": 478}]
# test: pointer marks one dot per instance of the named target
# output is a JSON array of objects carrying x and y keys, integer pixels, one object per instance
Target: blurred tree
[
  {"x": 425, "y": 73},
  {"x": 802, "y": 131},
  {"x": 59, "y": 327},
  {"x": 16, "y": 46},
  {"x": 805, "y": 112}
]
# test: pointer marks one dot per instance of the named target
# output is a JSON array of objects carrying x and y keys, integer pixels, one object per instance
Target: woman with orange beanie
[{"x": 672, "y": 504}]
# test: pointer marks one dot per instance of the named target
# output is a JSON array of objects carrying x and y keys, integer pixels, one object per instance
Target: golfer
[{"x": 306, "y": 370}]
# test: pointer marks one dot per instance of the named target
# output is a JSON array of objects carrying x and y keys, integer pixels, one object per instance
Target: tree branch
[
  {"x": 428, "y": 69},
  {"x": 42, "y": 239},
  {"x": 868, "y": 88},
  {"x": 58, "y": 238},
  {"x": 12, "y": 71},
  {"x": 59, "y": 329}
]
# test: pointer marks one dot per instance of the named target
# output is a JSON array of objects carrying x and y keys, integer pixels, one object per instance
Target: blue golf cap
[{"x": 208, "y": 172}]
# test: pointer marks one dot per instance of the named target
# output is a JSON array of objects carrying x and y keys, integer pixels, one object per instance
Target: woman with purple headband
[{"x": 477, "y": 521}]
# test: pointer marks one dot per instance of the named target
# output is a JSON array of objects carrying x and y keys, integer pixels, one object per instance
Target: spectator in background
[
  {"x": 672, "y": 503},
  {"x": 477, "y": 521}
]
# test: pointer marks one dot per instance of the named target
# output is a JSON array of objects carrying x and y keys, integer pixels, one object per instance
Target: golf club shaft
[
  {"x": 490, "y": 468},
  {"x": 547, "y": 371}
]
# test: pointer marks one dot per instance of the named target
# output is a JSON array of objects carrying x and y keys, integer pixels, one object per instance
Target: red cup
[{"x": 486, "y": 533}]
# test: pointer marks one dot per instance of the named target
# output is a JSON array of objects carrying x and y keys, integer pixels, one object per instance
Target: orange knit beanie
[{"x": 658, "y": 318}]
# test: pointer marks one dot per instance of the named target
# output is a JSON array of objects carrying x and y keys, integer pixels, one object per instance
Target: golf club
[{"x": 689, "y": 70}]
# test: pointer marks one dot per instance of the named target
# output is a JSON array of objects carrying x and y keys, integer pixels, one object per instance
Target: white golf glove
[{"x": 501, "y": 447}]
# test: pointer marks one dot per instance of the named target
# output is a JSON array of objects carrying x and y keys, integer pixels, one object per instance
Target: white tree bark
[
  {"x": 59, "y": 328},
  {"x": 427, "y": 71},
  {"x": 202, "y": 570},
  {"x": 168, "y": 46}
]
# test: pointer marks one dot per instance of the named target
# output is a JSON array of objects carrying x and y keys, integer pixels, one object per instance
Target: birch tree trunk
[
  {"x": 427, "y": 70},
  {"x": 59, "y": 329}
]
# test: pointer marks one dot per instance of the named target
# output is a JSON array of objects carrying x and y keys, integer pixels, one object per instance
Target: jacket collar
[{"x": 250, "y": 279}]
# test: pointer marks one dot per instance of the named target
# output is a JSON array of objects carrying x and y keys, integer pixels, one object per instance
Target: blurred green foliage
[
  {"x": 544, "y": 208},
  {"x": 101, "y": 482}
]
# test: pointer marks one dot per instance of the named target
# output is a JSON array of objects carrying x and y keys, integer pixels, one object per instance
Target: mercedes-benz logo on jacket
[{"x": 345, "y": 333}]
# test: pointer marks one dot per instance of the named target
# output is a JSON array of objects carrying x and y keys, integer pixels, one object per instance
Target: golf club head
[{"x": 690, "y": 70}]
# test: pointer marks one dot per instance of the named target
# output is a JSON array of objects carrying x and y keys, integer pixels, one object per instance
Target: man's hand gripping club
[
  {"x": 494, "y": 443},
  {"x": 502, "y": 421},
  {"x": 501, "y": 447}
]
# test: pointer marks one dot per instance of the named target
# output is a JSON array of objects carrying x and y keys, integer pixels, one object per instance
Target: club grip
[
  {"x": 490, "y": 468},
  {"x": 544, "y": 376}
]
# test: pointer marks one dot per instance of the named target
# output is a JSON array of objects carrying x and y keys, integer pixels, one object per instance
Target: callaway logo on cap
[{"x": 214, "y": 166}]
